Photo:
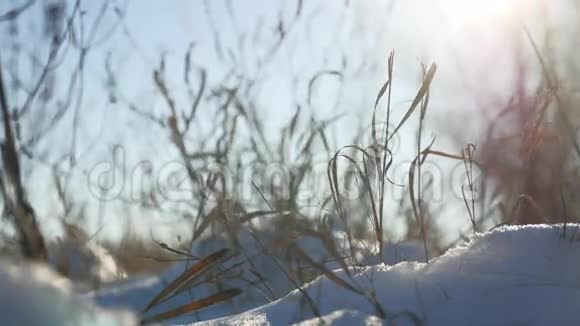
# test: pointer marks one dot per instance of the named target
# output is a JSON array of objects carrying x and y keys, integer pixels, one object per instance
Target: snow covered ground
[
  {"x": 32, "y": 294},
  {"x": 527, "y": 275},
  {"x": 136, "y": 294}
]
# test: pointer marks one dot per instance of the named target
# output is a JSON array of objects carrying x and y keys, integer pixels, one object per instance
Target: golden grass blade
[
  {"x": 193, "y": 306},
  {"x": 198, "y": 268}
]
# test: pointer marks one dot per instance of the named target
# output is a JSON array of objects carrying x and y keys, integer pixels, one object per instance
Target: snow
[
  {"x": 526, "y": 275},
  {"x": 83, "y": 260},
  {"x": 344, "y": 318},
  {"x": 33, "y": 294},
  {"x": 397, "y": 252},
  {"x": 136, "y": 294},
  {"x": 514, "y": 275}
]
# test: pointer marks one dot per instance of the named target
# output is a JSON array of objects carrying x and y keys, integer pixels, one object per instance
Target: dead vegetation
[{"x": 253, "y": 244}]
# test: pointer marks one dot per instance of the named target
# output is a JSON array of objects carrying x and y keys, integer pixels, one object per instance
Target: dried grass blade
[
  {"x": 381, "y": 93},
  {"x": 294, "y": 120},
  {"x": 320, "y": 74},
  {"x": 418, "y": 98},
  {"x": 198, "y": 268},
  {"x": 419, "y": 159},
  {"x": 193, "y": 306}
]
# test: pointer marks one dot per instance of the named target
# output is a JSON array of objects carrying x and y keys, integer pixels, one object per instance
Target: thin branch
[{"x": 14, "y": 13}]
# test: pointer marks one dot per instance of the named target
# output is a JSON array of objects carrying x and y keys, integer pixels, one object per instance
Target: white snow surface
[
  {"x": 344, "y": 318},
  {"x": 136, "y": 294},
  {"x": 33, "y": 294},
  {"x": 83, "y": 260},
  {"x": 517, "y": 275},
  {"x": 88, "y": 263}
]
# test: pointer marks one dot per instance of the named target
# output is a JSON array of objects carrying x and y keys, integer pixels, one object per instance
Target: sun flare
[{"x": 484, "y": 10}]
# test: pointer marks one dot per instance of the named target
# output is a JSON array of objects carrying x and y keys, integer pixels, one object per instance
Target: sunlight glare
[{"x": 483, "y": 10}]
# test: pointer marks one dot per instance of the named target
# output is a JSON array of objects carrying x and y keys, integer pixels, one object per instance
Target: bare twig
[{"x": 30, "y": 238}]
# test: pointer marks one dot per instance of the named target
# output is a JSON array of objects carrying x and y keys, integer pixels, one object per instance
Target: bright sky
[{"x": 470, "y": 40}]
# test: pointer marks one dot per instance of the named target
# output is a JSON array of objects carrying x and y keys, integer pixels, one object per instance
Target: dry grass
[
  {"x": 528, "y": 158},
  {"x": 186, "y": 281}
]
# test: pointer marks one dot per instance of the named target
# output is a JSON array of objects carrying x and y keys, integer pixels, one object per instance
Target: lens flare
[{"x": 484, "y": 10}]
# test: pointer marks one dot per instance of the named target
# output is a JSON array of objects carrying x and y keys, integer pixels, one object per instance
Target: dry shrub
[{"x": 530, "y": 151}]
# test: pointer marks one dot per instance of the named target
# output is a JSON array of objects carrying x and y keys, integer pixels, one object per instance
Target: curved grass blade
[{"x": 418, "y": 98}]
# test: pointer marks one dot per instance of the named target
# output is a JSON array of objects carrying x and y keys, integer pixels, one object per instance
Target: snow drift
[
  {"x": 136, "y": 294},
  {"x": 259, "y": 276},
  {"x": 81, "y": 259},
  {"x": 518, "y": 275},
  {"x": 32, "y": 294}
]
